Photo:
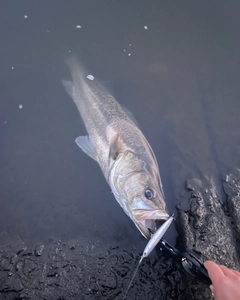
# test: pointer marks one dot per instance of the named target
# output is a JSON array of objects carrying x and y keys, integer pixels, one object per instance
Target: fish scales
[{"x": 115, "y": 141}]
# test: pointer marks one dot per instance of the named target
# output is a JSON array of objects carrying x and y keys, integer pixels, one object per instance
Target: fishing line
[{"x": 134, "y": 274}]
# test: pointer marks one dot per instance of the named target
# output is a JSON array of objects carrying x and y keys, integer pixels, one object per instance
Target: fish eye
[{"x": 150, "y": 193}]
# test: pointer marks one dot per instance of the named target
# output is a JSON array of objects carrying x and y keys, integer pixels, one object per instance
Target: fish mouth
[{"x": 145, "y": 220}]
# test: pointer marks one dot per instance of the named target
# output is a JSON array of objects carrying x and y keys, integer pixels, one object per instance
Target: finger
[
  {"x": 229, "y": 272},
  {"x": 236, "y": 273},
  {"x": 214, "y": 271}
]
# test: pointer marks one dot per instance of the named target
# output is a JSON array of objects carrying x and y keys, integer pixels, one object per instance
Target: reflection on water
[{"x": 180, "y": 82}]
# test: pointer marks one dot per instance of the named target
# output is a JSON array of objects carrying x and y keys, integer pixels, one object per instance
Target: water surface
[{"x": 181, "y": 82}]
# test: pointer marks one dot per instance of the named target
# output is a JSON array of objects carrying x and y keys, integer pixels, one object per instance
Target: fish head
[
  {"x": 140, "y": 194},
  {"x": 146, "y": 202}
]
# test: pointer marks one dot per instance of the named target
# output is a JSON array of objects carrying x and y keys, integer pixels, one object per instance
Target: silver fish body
[{"x": 123, "y": 153}]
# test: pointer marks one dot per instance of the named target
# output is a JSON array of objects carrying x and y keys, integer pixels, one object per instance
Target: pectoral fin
[{"x": 86, "y": 145}]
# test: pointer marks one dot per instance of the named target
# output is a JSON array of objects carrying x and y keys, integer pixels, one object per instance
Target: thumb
[{"x": 214, "y": 271}]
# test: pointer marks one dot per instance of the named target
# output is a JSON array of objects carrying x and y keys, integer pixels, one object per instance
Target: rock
[
  {"x": 52, "y": 273},
  {"x": 20, "y": 248},
  {"x": 233, "y": 203},
  {"x": 19, "y": 265},
  {"x": 39, "y": 249},
  {"x": 209, "y": 228},
  {"x": 5, "y": 264},
  {"x": 27, "y": 252},
  {"x": 13, "y": 259},
  {"x": 17, "y": 285},
  {"x": 29, "y": 265},
  {"x": 6, "y": 283},
  {"x": 23, "y": 296},
  {"x": 234, "y": 209},
  {"x": 229, "y": 190},
  {"x": 108, "y": 280},
  {"x": 91, "y": 271},
  {"x": 72, "y": 245},
  {"x": 193, "y": 184}
]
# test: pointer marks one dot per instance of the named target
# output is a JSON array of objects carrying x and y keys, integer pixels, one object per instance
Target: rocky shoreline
[{"x": 60, "y": 270}]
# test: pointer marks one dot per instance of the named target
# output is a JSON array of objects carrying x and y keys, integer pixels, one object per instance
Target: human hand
[{"x": 225, "y": 282}]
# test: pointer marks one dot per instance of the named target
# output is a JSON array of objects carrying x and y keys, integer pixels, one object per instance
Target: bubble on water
[
  {"x": 20, "y": 106},
  {"x": 90, "y": 77},
  {"x": 5, "y": 122},
  {"x": 48, "y": 31},
  {"x": 12, "y": 68},
  {"x": 129, "y": 54},
  {"x": 78, "y": 26},
  {"x": 25, "y": 16},
  {"x": 69, "y": 51},
  {"x": 124, "y": 50},
  {"x": 145, "y": 27},
  {"x": 130, "y": 45}
]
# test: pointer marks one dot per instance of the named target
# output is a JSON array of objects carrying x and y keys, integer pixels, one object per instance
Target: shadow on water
[{"x": 178, "y": 76}]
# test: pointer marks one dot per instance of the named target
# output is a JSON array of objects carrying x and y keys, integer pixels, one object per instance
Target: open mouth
[
  {"x": 146, "y": 220},
  {"x": 151, "y": 214}
]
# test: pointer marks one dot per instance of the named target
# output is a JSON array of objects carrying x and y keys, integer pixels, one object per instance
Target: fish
[{"x": 117, "y": 144}]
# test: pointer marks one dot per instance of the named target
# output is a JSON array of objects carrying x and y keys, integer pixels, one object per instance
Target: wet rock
[
  {"x": 27, "y": 252},
  {"x": 209, "y": 227},
  {"x": 233, "y": 203},
  {"x": 20, "y": 248},
  {"x": 52, "y": 273},
  {"x": 5, "y": 264},
  {"x": 90, "y": 273},
  {"x": 234, "y": 209},
  {"x": 6, "y": 283},
  {"x": 23, "y": 296},
  {"x": 29, "y": 265},
  {"x": 193, "y": 184},
  {"x": 19, "y": 265},
  {"x": 39, "y": 249},
  {"x": 17, "y": 285},
  {"x": 11, "y": 284},
  {"x": 72, "y": 245},
  {"x": 231, "y": 184},
  {"x": 13, "y": 259},
  {"x": 229, "y": 190},
  {"x": 108, "y": 280}
]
